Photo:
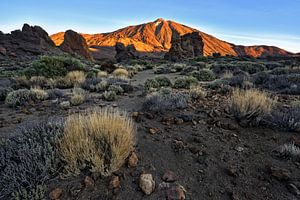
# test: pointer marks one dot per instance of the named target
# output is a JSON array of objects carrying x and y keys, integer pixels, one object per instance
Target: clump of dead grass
[
  {"x": 250, "y": 106},
  {"x": 97, "y": 140}
]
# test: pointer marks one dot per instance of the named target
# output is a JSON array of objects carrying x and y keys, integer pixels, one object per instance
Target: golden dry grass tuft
[
  {"x": 78, "y": 96},
  {"x": 249, "y": 106},
  {"x": 39, "y": 93},
  {"x": 120, "y": 72},
  {"x": 75, "y": 78},
  {"x": 102, "y": 74},
  {"x": 100, "y": 140}
]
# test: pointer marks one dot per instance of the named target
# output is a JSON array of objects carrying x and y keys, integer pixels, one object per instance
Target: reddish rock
[
  {"x": 176, "y": 193},
  {"x": 133, "y": 160},
  {"x": 169, "y": 176},
  {"x": 114, "y": 182},
  {"x": 56, "y": 193},
  {"x": 74, "y": 43}
]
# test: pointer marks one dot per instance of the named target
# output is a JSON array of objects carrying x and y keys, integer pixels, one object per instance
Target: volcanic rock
[
  {"x": 74, "y": 43},
  {"x": 187, "y": 46},
  {"x": 125, "y": 53}
]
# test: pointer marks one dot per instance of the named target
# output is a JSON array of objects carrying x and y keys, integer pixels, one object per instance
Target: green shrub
[
  {"x": 151, "y": 83},
  {"x": 110, "y": 95},
  {"x": 185, "y": 82},
  {"x": 163, "y": 81},
  {"x": 116, "y": 88},
  {"x": 19, "y": 97},
  {"x": 51, "y": 66},
  {"x": 203, "y": 75}
]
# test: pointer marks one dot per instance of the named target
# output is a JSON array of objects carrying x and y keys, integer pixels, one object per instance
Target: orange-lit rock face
[{"x": 156, "y": 37}]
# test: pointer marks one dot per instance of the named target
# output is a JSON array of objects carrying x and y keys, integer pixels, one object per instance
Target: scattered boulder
[
  {"x": 133, "y": 160},
  {"x": 114, "y": 182},
  {"x": 169, "y": 176},
  {"x": 189, "y": 45},
  {"x": 74, "y": 43},
  {"x": 125, "y": 53},
  {"x": 176, "y": 193},
  {"x": 146, "y": 183},
  {"x": 31, "y": 40}
]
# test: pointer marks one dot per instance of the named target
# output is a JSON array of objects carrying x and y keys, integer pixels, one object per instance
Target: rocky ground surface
[{"x": 195, "y": 153}]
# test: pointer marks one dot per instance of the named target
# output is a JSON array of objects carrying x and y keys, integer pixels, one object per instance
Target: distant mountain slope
[{"x": 156, "y": 37}]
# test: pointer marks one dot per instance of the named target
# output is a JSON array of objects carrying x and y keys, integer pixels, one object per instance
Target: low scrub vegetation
[
  {"x": 165, "y": 99},
  {"x": 120, "y": 72},
  {"x": 75, "y": 78},
  {"x": 99, "y": 141},
  {"x": 185, "y": 82},
  {"x": 19, "y": 97},
  {"x": 29, "y": 160},
  {"x": 249, "y": 107},
  {"x": 51, "y": 66},
  {"x": 78, "y": 96},
  {"x": 203, "y": 75}
]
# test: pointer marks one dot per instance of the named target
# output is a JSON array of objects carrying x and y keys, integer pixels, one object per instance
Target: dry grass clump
[
  {"x": 98, "y": 140},
  {"x": 75, "y": 78},
  {"x": 197, "y": 92},
  {"x": 78, "y": 96},
  {"x": 39, "y": 93},
  {"x": 120, "y": 72},
  {"x": 102, "y": 74},
  {"x": 250, "y": 106}
]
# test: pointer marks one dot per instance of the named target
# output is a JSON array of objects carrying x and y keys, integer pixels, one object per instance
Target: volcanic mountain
[{"x": 156, "y": 37}]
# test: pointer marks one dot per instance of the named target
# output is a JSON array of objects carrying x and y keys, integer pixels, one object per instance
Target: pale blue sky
[{"x": 270, "y": 22}]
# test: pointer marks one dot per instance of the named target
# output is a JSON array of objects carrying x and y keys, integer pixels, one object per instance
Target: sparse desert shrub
[
  {"x": 163, "y": 81},
  {"x": 50, "y": 66},
  {"x": 197, "y": 92},
  {"x": 116, "y": 88},
  {"x": 110, "y": 95},
  {"x": 4, "y": 92},
  {"x": 102, "y": 74},
  {"x": 101, "y": 86},
  {"x": 203, "y": 75},
  {"x": 162, "y": 69},
  {"x": 280, "y": 71},
  {"x": 39, "y": 81},
  {"x": 29, "y": 160},
  {"x": 65, "y": 105},
  {"x": 277, "y": 83},
  {"x": 120, "y": 72},
  {"x": 75, "y": 78},
  {"x": 165, "y": 100},
  {"x": 90, "y": 83},
  {"x": 227, "y": 75},
  {"x": 78, "y": 96},
  {"x": 55, "y": 93},
  {"x": 250, "y": 106},
  {"x": 39, "y": 93},
  {"x": 241, "y": 81},
  {"x": 113, "y": 80},
  {"x": 19, "y": 97},
  {"x": 151, "y": 83},
  {"x": 185, "y": 82},
  {"x": 260, "y": 78},
  {"x": 273, "y": 65},
  {"x": 287, "y": 120},
  {"x": 62, "y": 83},
  {"x": 22, "y": 82},
  {"x": 246, "y": 66},
  {"x": 98, "y": 140},
  {"x": 179, "y": 66}
]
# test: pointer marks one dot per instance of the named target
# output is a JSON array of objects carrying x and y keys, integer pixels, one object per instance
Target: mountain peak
[{"x": 159, "y": 20}]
